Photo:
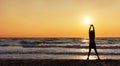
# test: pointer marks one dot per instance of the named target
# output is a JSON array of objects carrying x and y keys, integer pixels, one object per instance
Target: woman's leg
[
  {"x": 89, "y": 53},
  {"x": 96, "y": 53}
]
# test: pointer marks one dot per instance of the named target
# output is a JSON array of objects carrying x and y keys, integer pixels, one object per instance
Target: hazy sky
[{"x": 59, "y": 18}]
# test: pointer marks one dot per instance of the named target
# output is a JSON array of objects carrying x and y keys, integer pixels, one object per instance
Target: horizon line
[{"x": 59, "y": 37}]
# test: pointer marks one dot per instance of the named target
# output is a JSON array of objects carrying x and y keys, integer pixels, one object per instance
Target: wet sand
[{"x": 57, "y": 62}]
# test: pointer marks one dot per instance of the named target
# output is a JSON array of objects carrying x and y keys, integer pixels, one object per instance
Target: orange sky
[{"x": 59, "y": 18}]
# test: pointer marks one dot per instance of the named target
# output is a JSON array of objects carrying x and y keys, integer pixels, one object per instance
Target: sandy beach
[{"x": 57, "y": 62}]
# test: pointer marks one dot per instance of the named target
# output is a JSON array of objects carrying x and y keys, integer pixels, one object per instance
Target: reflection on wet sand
[{"x": 93, "y": 57}]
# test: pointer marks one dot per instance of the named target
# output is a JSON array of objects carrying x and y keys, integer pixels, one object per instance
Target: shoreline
[{"x": 58, "y": 62}]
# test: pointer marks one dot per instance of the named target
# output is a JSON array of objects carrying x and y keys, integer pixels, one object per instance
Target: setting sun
[{"x": 87, "y": 20}]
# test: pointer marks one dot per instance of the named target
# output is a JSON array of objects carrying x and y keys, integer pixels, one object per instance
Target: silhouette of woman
[{"x": 92, "y": 43}]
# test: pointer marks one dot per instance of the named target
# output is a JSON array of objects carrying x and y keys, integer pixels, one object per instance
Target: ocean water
[{"x": 58, "y": 48}]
